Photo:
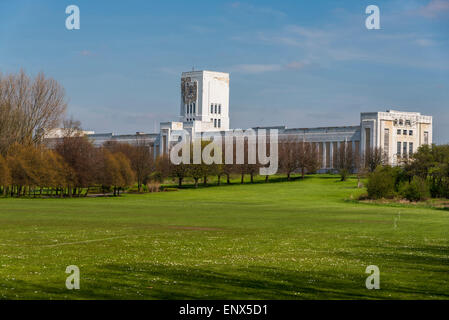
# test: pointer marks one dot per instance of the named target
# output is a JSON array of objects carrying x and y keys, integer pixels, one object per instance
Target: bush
[
  {"x": 417, "y": 190},
  {"x": 382, "y": 183},
  {"x": 154, "y": 186}
]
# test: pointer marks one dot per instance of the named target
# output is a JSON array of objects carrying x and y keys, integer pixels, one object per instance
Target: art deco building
[{"x": 204, "y": 108}]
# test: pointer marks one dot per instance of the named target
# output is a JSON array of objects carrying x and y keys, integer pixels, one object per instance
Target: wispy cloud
[
  {"x": 256, "y": 68},
  {"x": 86, "y": 53},
  {"x": 262, "y": 68},
  {"x": 434, "y": 9},
  {"x": 256, "y": 10}
]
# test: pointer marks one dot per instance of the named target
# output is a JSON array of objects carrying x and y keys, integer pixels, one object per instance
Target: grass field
[{"x": 288, "y": 240}]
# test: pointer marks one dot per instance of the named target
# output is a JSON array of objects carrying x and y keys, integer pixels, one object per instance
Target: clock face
[{"x": 189, "y": 90}]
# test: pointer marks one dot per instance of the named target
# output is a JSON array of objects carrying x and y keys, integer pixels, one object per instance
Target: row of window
[
  {"x": 401, "y": 122},
  {"x": 402, "y": 149},
  {"x": 404, "y": 132},
  {"x": 217, "y": 123},
  {"x": 215, "y": 108},
  {"x": 191, "y": 108}
]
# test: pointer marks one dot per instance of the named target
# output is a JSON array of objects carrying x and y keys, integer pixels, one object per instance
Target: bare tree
[
  {"x": 375, "y": 157},
  {"x": 345, "y": 160},
  {"x": 29, "y": 108}
]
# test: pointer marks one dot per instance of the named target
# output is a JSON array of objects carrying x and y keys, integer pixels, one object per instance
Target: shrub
[
  {"x": 154, "y": 186},
  {"x": 382, "y": 183},
  {"x": 417, "y": 190}
]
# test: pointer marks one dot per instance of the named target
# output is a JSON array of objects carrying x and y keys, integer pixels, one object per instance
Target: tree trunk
[
  {"x": 180, "y": 182},
  {"x": 219, "y": 180},
  {"x": 242, "y": 179},
  {"x": 196, "y": 182},
  {"x": 205, "y": 180},
  {"x": 228, "y": 179},
  {"x": 266, "y": 178}
]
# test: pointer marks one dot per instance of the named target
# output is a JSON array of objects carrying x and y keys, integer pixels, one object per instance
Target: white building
[{"x": 204, "y": 107}]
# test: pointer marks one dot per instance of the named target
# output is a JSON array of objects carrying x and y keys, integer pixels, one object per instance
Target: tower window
[
  {"x": 405, "y": 132},
  {"x": 194, "y": 107},
  {"x": 399, "y": 131},
  {"x": 211, "y": 109},
  {"x": 410, "y": 133},
  {"x": 399, "y": 149},
  {"x": 219, "y": 108},
  {"x": 219, "y": 123},
  {"x": 410, "y": 148},
  {"x": 215, "y": 123},
  {"x": 426, "y": 137},
  {"x": 215, "y": 108},
  {"x": 404, "y": 149}
]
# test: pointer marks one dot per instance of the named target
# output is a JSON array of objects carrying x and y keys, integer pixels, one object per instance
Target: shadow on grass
[
  {"x": 234, "y": 182},
  {"x": 153, "y": 281}
]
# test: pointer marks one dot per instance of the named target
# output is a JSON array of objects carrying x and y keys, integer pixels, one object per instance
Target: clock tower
[{"x": 205, "y": 98}]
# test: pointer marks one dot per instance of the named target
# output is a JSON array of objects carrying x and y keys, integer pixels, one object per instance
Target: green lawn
[{"x": 288, "y": 240}]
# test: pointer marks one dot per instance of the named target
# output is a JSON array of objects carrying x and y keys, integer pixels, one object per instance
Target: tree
[
  {"x": 127, "y": 174},
  {"x": 109, "y": 174},
  {"x": 5, "y": 176},
  {"x": 83, "y": 162},
  {"x": 29, "y": 108},
  {"x": 308, "y": 160},
  {"x": 162, "y": 166},
  {"x": 290, "y": 156},
  {"x": 345, "y": 160},
  {"x": 375, "y": 157}
]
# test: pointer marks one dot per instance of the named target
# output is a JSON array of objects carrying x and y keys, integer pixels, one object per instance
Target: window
[
  {"x": 410, "y": 148},
  {"x": 408, "y": 123},
  {"x": 194, "y": 107},
  {"x": 426, "y": 137},
  {"x": 215, "y": 123},
  {"x": 404, "y": 149},
  {"x": 410, "y": 133},
  {"x": 401, "y": 122},
  {"x": 211, "y": 109},
  {"x": 219, "y": 123},
  {"x": 399, "y": 149},
  {"x": 367, "y": 140},
  {"x": 405, "y": 132},
  {"x": 399, "y": 131},
  {"x": 396, "y": 122},
  {"x": 215, "y": 108},
  {"x": 219, "y": 108},
  {"x": 387, "y": 140}
]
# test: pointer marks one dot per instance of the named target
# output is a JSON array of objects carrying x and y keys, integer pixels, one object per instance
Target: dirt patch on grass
[{"x": 193, "y": 228}]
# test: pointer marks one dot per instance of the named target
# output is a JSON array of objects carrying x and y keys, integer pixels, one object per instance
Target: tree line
[{"x": 423, "y": 175}]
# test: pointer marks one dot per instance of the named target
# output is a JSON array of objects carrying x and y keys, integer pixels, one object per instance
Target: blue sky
[{"x": 294, "y": 63}]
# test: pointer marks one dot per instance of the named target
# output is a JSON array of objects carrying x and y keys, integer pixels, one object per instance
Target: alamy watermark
[
  {"x": 73, "y": 280},
  {"x": 73, "y": 21},
  {"x": 372, "y": 22},
  {"x": 214, "y": 148},
  {"x": 373, "y": 280}
]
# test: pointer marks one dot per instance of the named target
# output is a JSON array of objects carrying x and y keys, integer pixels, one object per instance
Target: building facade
[{"x": 204, "y": 108}]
